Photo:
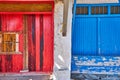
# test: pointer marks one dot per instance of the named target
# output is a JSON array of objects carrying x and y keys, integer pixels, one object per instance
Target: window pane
[
  {"x": 82, "y": 10},
  {"x": 115, "y": 10},
  {"x": 8, "y": 42},
  {"x": 99, "y": 10}
]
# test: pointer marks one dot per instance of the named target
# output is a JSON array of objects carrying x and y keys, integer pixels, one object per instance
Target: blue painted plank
[{"x": 110, "y": 36}]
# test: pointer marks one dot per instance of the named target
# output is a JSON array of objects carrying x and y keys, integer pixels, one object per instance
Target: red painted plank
[
  {"x": 3, "y": 63},
  {"x": 52, "y": 32},
  {"x": 17, "y": 62},
  {"x": 0, "y": 63},
  {"x": 41, "y": 43},
  {"x": 8, "y": 63},
  {"x": 25, "y": 12},
  {"x": 12, "y": 22},
  {"x": 48, "y": 43},
  {"x": 27, "y": 0},
  {"x": 31, "y": 42},
  {"x": 37, "y": 36}
]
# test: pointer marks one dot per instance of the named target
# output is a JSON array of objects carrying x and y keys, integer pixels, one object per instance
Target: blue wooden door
[{"x": 96, "y": 38}]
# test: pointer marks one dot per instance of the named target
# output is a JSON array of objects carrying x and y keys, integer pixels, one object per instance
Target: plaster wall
[
  {"x": 62, "y": 45},
  {"x": 97, "y": 1}
]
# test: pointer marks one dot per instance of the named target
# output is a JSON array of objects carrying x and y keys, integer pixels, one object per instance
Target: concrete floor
[{"x": 25, "y": 76}]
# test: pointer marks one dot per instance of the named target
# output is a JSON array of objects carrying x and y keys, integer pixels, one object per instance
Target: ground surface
[
  {"x": 25, "y": 76},
  {"x": 95, "y": 77}
]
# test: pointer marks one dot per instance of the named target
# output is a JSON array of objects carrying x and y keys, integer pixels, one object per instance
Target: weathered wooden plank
[
  {"x": 15, "y": 7},
  {"x": 66, "y": 18},
  {"x": 25, "y": 55}
]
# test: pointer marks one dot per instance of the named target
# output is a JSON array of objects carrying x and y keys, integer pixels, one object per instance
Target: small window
[
  {"x": 115, "y": 9},
  {"x": 9, "y": 43},
  {"x": 82, "y": 10},
  {"x": 99, "y": 10}
]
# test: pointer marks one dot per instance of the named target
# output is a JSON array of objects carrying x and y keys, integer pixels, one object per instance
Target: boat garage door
[{"x": 96, "y": 38}]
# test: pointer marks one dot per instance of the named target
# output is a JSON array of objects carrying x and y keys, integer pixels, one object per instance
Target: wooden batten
[
  {"x": 25, "y": 54},
  {"x": 65, "y": 17}
]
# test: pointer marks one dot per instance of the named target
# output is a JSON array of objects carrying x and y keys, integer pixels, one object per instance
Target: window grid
[
  {"x": 9, "y": 43},
  {"x": 97, "y": 10}
]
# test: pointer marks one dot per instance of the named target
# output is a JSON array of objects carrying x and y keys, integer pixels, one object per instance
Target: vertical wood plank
[
  {"x": 66, "y": 18},
  {"x": 41, "y": 42},
  {"x": 0, "y": 34},
  {"x": 37, "y": 36},
  {"x": 25, "y": 55},
  {"x": 26, "y": 45}
]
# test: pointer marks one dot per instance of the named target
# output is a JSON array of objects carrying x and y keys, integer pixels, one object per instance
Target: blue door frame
[{"x": 96, "y": 40}]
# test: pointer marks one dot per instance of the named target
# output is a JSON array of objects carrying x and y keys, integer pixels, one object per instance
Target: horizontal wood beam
[{"x": 28, "y": 7}]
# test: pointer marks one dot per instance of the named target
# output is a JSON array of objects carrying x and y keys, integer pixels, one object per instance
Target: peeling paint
[{"x": 96, "y": 64}]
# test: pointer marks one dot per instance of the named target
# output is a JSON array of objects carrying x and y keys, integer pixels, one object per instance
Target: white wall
[
  {"x": 97, "y": 1},
  {"x": 62, "y": 45}
]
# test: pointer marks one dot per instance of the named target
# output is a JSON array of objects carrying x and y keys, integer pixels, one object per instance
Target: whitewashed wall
[
  {"x": 62, "y": 45},
  {"x": 97, "y": 1}
]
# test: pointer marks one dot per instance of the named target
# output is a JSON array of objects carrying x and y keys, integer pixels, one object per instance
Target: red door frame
[{"x": 37, "y": 22}]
